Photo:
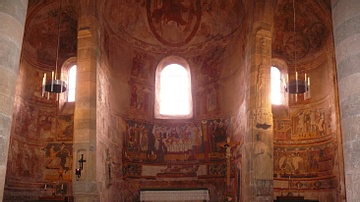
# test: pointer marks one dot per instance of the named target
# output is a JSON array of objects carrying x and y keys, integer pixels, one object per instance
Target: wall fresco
[
  {"x": 36, "y": 157},
  {"x": 42, "y": 34},
  {"x": 173, "y": 23},
  {"x": 176, "y": 150},
  {"x": 305, "y": 161},
  {"x": 58, "y": 161},
  {"x": 65, "y": 127},
  {"x": 25, "y": 160},
  {"x": 306, "y": 125},
  {"x": 305, "y": 150},
  {"x": 310, "y": 124}
]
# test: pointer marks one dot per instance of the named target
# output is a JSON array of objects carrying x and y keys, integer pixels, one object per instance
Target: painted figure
[
  {"x": 263, "y": 159},
  {"x": 63, "y": 154}
]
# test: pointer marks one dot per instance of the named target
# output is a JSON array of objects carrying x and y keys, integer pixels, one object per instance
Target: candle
[
  {"x": 44, "y": 78},
  {"x": 297, "y": 85},
  {"x": 62, "y": 186},
  {"x": 287, "y": 78},
  {"x": 43, "y": 85},
  {"x": 45, "y": 186},
  {"x": 52, "y": 81}
]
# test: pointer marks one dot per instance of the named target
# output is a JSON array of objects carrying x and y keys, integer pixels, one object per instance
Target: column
[
  {"x": 85, "y": 186},
  {"x": 346, "y": 28},
  {"x": 257, "y": 166},
  {"x": 12, "y": 20}
]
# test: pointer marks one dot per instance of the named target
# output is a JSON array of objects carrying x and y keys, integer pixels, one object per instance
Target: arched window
[
  {"x": 71, "y": 84},
  {"x": 173, "y": 99},
  {"x": 276, "y": 88}
]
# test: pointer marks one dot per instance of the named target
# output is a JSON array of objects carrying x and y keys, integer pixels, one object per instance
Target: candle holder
[{"x": 81, "y": 167}]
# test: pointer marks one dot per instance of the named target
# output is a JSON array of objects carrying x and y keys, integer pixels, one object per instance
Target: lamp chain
[{"x": 58, "y": 40}]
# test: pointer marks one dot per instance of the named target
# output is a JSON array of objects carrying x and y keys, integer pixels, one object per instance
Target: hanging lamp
[
  {"x": 54, "y": 84},
  {"x": 298, "y": 85}
]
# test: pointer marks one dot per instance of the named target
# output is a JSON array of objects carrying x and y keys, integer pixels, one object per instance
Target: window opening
[
  {"x": 276, "y": 93},
  {"x": 173, "y": 97},
  {"x": 174, "y": 91},
  {"x": 71, "y": 84}
]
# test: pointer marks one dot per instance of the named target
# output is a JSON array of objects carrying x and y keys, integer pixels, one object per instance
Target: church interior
[{"x": 271, "y": 100}]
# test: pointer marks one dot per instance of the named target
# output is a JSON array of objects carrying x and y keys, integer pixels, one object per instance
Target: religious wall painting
[
  {"x": 305, "y": 162},
  {"x": 199, "y": 102},
  {"x": 174, "y": 23},
  {"x": 177, "y": 169},
  {"x": 302, "y": 46},
  {"x": 58, "y": 161},
  {"x": 262, "y": 157},
  {"x": 68, "y": 26},
  {"x": 140, "y": 96},
  {"x": 141, "y": 66},
  {"x": 47, "y": 124},
  {"x": 208, "y": 99},
  {"x": 180, "y": 170},
  {"x": 25, "y": 124},
  {"x": 217, "y": 134},
  {"x": 282, "y": 129},
  {"x": 300, "y": 185},
  {"x": 25, "y": 160},
  {"x": 65, "y": 128},
  {"x": 316, "y": 35},
  {"x": 14, "y": 153},
  {"x": 43, "y": 34},
  {"x": 132, "y": 170},
  {"x": 217, "y": 169},
  {"x": 310, "y": 34},
  {"x": 210, "y": 63},
  {"x": 162, "y": 142},
  {"x": 154, "y": 142},
  {"x": 174, "y": 169},
  {"x": 311, "y": 124},
  {"x": 212, "y": 98},
  {"x": 137, "y": 137}
]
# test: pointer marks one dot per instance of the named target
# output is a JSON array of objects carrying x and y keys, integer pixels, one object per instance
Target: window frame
[
  {"x": 283, "y": 68},
  {"x": 162, "y": 64},
  {"x": 65, "y": 68}
]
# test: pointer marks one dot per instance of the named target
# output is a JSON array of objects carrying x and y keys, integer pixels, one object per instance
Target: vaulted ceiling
[{"x": 165, "y": 26}]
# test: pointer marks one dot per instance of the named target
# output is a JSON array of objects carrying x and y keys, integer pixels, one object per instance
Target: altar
[{"x": 178, "y": 195}]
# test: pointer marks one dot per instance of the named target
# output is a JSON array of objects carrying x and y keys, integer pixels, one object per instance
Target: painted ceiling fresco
[
  {"x": 173, "y": 23},
  {"x": 162, "y": 26},
  {"x": 301, "y": 29},
  {"x": 51, "y": 30}
]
